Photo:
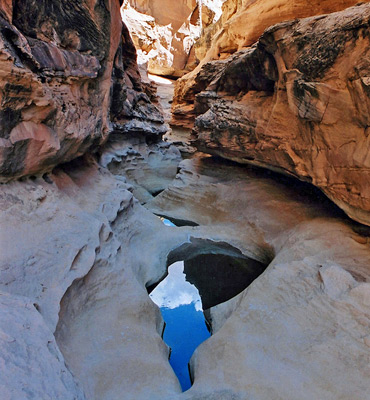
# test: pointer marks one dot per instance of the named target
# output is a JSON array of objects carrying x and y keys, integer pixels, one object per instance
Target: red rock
[
  {"x": 241, "y": 24},
  {"x": 297, "y": 102},
  {"x": 56, "y": 66}
]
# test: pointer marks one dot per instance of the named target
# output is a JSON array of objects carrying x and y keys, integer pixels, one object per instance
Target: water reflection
[
  {"x": 167, "y": 222},
  {"x": 181, "y": 308}
]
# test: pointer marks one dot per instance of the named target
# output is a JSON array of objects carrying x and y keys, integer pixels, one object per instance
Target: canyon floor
[{"x": 91, "y": 243}]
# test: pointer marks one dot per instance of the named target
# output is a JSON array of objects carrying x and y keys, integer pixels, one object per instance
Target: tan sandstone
[
  {"x": 241, "y": 24},
  {"x": 297, "y": 102},
  {"x": 57, "y": 94},
  {"x": 78, "y": 250},
  {"x": 299, "y": 331},
  {"x": 164, "y": 32}
]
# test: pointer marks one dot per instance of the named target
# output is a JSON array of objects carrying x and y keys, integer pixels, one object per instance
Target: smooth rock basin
[
  {"x": 298, "y": 332},
  {"x": 193, "y": 285}
]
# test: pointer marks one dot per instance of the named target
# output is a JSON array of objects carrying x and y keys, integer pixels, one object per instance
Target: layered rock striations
[
  {"x": 57, "y": 98},
  {"x": 297, "y": 102},
  {"x": 89, "y": 250},
  {"x": 242, "y": 22},
  {"x": 73, "y": 264},
  {"x": 68, "y": 81},
  {"x": 240, "y": 26}
]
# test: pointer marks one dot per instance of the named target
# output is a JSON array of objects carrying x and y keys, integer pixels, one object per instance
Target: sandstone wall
[
  {"x": 297, "y": 102},
  {"x": 77, "y": 250},
  {"x": 241, "y": 24},
  {"x": 164, "y": 32},
  {"x": 56, "y": 92}
]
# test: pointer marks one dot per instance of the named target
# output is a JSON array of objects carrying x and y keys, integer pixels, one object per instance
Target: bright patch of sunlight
[{"x": 160, "y": 79}]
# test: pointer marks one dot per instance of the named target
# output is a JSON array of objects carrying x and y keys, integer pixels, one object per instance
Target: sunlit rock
[
  {"x": 31, "y": 363},
  {"x": 303, "y": 322},
  {"x": 165, "y": 32},
  {"x": 240, "y": 25},
  {"x": 297, "y": 103},
  {"x": 79, "y": 253}
]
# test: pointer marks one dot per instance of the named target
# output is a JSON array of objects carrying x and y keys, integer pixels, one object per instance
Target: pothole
[
  {"x": 220, "y": 277},
  {"x": 201, "y": 275},
  {"x": 155, "y": 193},
  {"x": 167, "y": 222},
  {"x": 170, "y": 221}
]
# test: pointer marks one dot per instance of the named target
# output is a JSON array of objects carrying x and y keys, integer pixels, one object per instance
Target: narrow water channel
[{"x": 186, "y": 328}]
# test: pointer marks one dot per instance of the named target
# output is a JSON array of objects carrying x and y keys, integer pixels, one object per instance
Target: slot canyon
[{"x": 184, "y": 200}]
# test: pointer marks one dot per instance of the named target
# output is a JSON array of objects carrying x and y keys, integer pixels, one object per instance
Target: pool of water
[
  {"x": 186, "y": 328},
  {"x": 210, "y": 273},
  {"x": 167, "y": 222}
]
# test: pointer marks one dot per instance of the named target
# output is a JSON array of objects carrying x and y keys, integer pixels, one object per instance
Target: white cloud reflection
[
  {"x": 175, "y": 291},
  {"x": 167, "y": 222}
]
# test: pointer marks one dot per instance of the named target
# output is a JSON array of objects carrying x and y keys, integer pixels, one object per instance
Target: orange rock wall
[
  {"x": 165, "y": 32},
  {"x": 56, "y": 92},
  {"x": 299, "y": 103},
  {"x": 244, "y": 22},
  {"x": 241, "y": 24}
]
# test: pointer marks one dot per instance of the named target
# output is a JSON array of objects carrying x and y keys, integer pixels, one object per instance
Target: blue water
[
  {"x": 181, "y": 308},
  {"x": 185, "y": 331},
  {"x": 167, "y": 222}
]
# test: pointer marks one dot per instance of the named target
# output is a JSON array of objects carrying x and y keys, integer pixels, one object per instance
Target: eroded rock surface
[
  {"x": 57, "y": 96},
  {"x": 234, "y": 33},
  {"x": 78, "y": 250},
  {"x": 109, "y": 331},
  {"x": 164, "y": 32},
  {"x": 240, "y": 25},
  {"x": 300, "y": 331},
  {"x": 148, "y": 168},
  {"x": 76, "y": 231},
  {"x": 297, "y": 102},
  {"x": 32, "y": 365}
]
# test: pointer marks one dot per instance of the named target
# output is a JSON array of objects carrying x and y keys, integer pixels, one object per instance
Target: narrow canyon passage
[
  {"x": 218, "y": 249},
  {"x": 296, "y": 315},
  {"x": 258, "y": 213}
]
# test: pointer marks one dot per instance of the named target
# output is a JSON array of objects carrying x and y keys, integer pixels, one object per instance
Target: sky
[{"x": 175, "y": 291}]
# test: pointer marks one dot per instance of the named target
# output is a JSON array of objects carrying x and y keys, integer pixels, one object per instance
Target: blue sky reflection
[
  {"x": 175, "y": 291},
  {"x": 181, "y": 308}
]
